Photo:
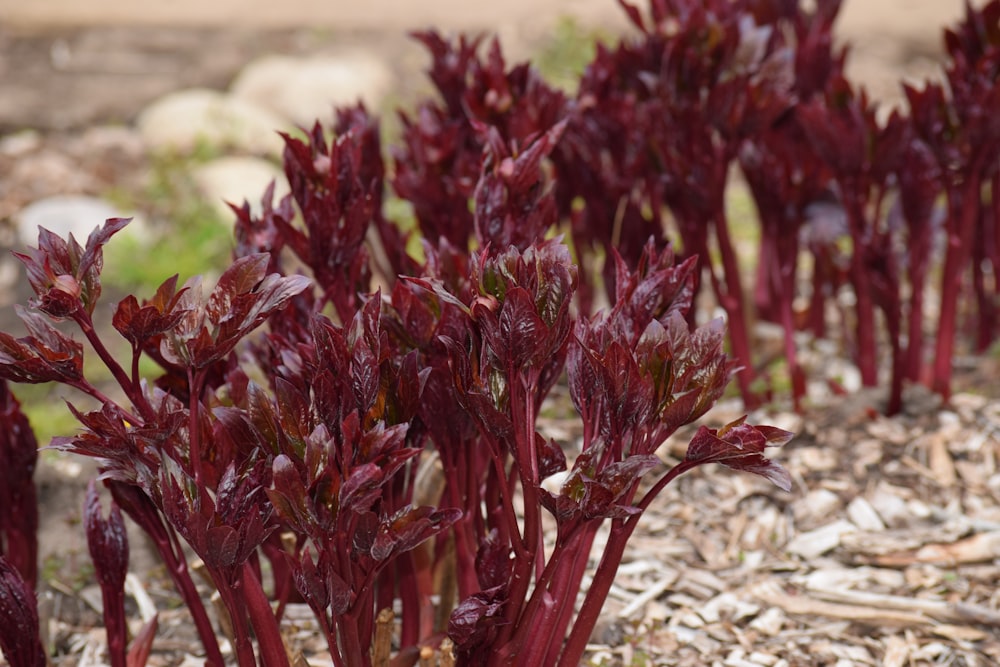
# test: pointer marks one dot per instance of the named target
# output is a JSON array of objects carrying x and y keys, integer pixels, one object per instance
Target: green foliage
[
  {"x": 185, "y": 233},
  {"x": 565, "y": 55}
]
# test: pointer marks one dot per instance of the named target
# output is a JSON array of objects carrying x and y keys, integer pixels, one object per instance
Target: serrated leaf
[{"x": 142, "y": 645}]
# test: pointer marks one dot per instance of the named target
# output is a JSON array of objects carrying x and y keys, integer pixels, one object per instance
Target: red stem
[
  {"x": 102, "y": 398},
  {"x": 918, "y": 278},
  {"x": 132, "y": 390},
  {"x": 162, "y": 535},
  {"x": 233, "y": 597},
  {"x": 465, "y": 561},
  {"x": 732, "y": 302},
  {"x": 963, "y": 208},
  {"x": 864, "y": 306},
  {"x": 409, "y": 598},
  {"x": 114, "y": 624},
  {"x": 590, "y": 610},
  {"x": 195, "y": 381},
  {"x": 352, "y": 652},
  {"x": 986, "y": 308},
  {"x": 265, "y": 625},
  {"x": 533, "y": 628},
  {"x": 567, "y": 588},
  {"x": 522, "y": 392}
]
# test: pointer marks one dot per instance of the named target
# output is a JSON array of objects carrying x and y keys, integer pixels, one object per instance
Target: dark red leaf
[
  {"x": 46, "y": 355},
  {"x": 740, "y": 446},
  {"x": 362, "y": 488},
  {"x": 551, "y": 458},
  {"x": 476, "y": 619},
  {"x": 409, "y": 527},
  {"x": 142, "y": 645}
]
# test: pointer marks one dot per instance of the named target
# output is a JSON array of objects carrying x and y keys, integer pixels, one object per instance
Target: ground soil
[{"x": 66, "y": 64}]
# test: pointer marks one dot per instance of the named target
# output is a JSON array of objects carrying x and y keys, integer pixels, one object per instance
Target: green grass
[
  {"x": 185, "y": 234},
  {"x": 46, "y": 410},
  {"x": 563, "y": 58}
]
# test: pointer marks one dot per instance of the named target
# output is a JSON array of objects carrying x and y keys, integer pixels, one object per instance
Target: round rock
[
  {"x": 238, "y": 179},
  {"x": 306, "y": 89},
  {"x": 78, "y": 215},
  {"x": 181, "y": 120}
]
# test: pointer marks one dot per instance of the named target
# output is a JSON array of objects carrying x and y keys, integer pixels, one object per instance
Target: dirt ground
[{"x": 65, "y": 64}]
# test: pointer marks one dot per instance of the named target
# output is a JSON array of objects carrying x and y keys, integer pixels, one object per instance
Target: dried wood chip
[
  {"x": 940, "y": 462},
  {"x": 897, "y": 652},
  {"x": 134, "y": 587},
  {"x": 709, "y": 546},
  {"x": 765, "y": 659},
  {"x": 854, "y": 577},
  {"x": 771, "y": 593},
  {"x": 974, "y": 475},
  {"x": 919, "y": 468},
  {"x": 817, "y": 542},
  {"x": 729, "y": 606},
  {"x": 737, "y": 658},
  {"x": 816, "y": 459},
  {"x": 648, "y": 595},
  {"x": 931, "y": 651},
  {"x": 888, "y": 430},
  {"x": 890, "y": 502},
  {"x": 967, "y": 405},
  {"x": 762, "y": 527},
  {"x": 705, "y": 578},
  {"x": 687, "y": 618},
  {"x": 870, "y": 454},
  {"x": 978, "y": 548},
  {"x": 815, "y": 507},
  {"x": 960, "y": 633},
  {"x": 770, "y": 622},
  {"x": 898, "y": 548},
  {"x": 940, "y": 610},
  {"x": 863, "y": 515}
]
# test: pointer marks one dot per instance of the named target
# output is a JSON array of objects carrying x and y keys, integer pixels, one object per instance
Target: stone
[
  {"x": 182, "y": 120},
  {"x": 238, "y": 179},
  {"x": 303, "y": 90},
  {"x": 20, "y": 143},
  {"x": 78, "y": 215}
]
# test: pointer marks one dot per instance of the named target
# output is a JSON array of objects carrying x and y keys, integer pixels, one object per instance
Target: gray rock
[
  {"x": 306, "y": 89},
  {"x": 235, "y": 179},
  {"x": 20, "y": 143},
  {"x": 78, "y": 215},
  {"x": 181, "y": 120}
]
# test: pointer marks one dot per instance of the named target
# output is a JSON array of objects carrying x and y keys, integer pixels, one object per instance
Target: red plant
[
  {"x": 962, "y": 131},
  {"x": 19, "y": 633},
  {"x": 108, "y": 545},
  {"x": 458, "y": 360},
  {"x": 18, "y": 497}
]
